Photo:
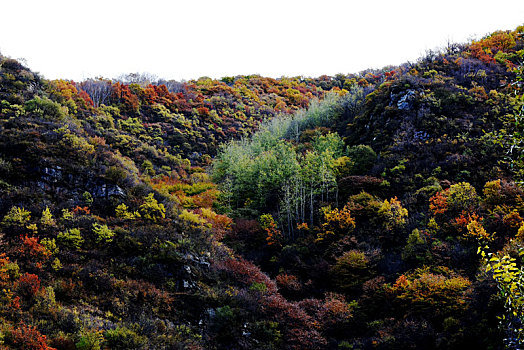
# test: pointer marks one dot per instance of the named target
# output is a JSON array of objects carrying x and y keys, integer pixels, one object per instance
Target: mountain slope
[
  {"x": 353, "y": 223},
  {"x": 386, "y": 200}
]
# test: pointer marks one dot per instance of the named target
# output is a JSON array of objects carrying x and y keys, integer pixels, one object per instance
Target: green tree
[
  {"x": 510, "y": 283},
  {"x": 90, "y": 340},
  {"x": 511, "y": 136},
  {"x": 363, "y": 158},
  {"x": 122, "y": 212},
  {"x": 148, "y": 168},
  {"x": 103, "y": 233},
  {"x": 123, "y": 338},
  {"x": 46, "y": 108},
  {"x": 71, "y": 238},
  {"x": 88, "y": 198},
  {"x": 462, "y": 196},
  {"x": 151, "y": 210},
  {"x": 351, "y": 270},
  {"x": 393, "y": 214},
  {"x": 47, "y": 220},
  {"x": 416, "y": 248},
  {"x": 331, "y": 142},
  {"x": 17, "y": 217}
]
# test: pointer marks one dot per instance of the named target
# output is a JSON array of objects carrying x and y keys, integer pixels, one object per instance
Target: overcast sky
[{"x": 188, "y": 39}]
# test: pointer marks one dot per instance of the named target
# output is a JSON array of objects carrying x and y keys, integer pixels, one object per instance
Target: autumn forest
[{"x": 377, "y": 210}]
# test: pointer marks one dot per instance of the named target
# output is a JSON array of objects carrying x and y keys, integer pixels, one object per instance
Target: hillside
[
  {"x": 384, "y": 194},
  {"x": 255, "y": 213}
]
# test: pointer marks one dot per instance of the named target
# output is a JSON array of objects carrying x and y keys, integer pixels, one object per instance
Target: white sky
[{"x": 73, "y": 39}]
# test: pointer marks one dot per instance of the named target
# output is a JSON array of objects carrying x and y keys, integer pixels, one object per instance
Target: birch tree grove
[
  {"x": 98, "y": 89},
  {"x": 268, "y": 175}
]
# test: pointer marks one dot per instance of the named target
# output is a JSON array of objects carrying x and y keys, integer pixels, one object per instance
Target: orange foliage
[
  {"x": 4, "y": 264},
  {"x": 288, "y": 282},
  {"x": 78, "y": 210},
  {"x": 29, "y": 284},
  {"x": 425, "y": 291},
  {"x": 340, "y": 218},
  {"x": 130, "y": 101},
  {"x": 158, "y": 94},
  {"x": 246, "y": 273},
  {"x": 438, "y": 204},
  {"x": 146, "y": 292},
  {"x": 390, "y": 75},
  {"x": 476, "y": 230},
  {"x": 97, "y": 140},
  {"x": 14, "y": 304},
  {"x": 220, "y": 224},
  {"x": 32, "y": 248},
  {"x": 205, "y": 199},
  {"x": 401, "y": 283},
  {"x": 64, "y": 88},
  {"x": 29, "y": 338},
  {"x": 485, "y": 49},
  {"x": 336, "y": 222},
  {"x": 512, "y": 219},
  {"x": 33, "y": 252},
  {"x": 463, "y": 221},
  {"x": 202, "y": 200},
  {"x": 85, "y": 96},
  {"x": 68, "y": 92},
  {"x": 273, "y": 234},
  {"x": 302, "y": 226},
  {"x": 164, "y": 181},
  {"x": 203, "y": 111},
  {"x": 335, "y": 308}
]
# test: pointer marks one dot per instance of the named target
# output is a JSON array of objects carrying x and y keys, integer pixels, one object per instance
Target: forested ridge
[{"x": 382, "y": 209}]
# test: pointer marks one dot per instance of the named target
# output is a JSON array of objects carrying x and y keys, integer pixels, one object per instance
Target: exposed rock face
[
  {"x": 55, "y": 178},
  {"x": 106, "y": 190},
  {"x": 405, "y": 101},
  {"x": 52, "y": 175}
]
